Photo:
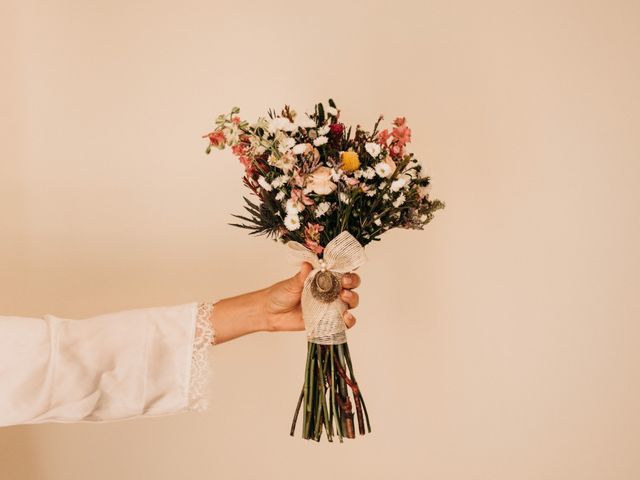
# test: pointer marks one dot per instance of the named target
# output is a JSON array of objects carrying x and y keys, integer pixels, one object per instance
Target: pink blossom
[
  {"x": 312, "y": 237},
  {"x": 298, "y": 196},
  {"x": 383, "y": 137},
  {"x": 402, "y": 134},
  {"x": 217, "y": 138}
]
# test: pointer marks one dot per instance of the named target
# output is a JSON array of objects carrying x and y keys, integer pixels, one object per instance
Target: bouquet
[{"x": 326, "y": 191}]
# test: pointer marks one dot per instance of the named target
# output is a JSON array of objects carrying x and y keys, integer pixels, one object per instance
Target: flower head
[
  {"x": 292, "y": 221},
  {"x": 319, "y": 181},
  {"x": 349, "y": 161},
  {"x": 383, "y": 169}
]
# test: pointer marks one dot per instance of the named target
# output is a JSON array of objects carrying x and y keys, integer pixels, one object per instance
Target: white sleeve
[{"x": 143, "y": 362}]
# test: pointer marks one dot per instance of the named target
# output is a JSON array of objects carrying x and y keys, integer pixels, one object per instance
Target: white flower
[
  {"x": 306, "y": 122},
  {"x": 357, "y": 173},
  {"x": 264, "y": 184},
  {"x": 279, "y": 181},
  {"x": 399, "y": 201},
  {"x": 331, "y": 111},
  {"x": 300, "y": 148},
  {"x": 385, "y": 196},
  {"x": 292, "y": 207},
  {"x": 286, "y": 144},
  {"x": 320, "y": 141},
  {"x": 377, "y": 221},
  {"x": 323, "y": 130},
  {"x": 335, "y": 176},
  {"x": 344, "y": 198},
  {"x": 370, "y": 193},
  {"x": 280, "y": 123},
  {"x": 322, "y": 208},
  {"x": 369, "y": 173},
  {"x": 280, "y": 195},
  {"x": 398, "y": 183},
  {"x": 372, "y": 149},
  {"x": 383, "y": 169},
  {"x": 292, "y": 221}
]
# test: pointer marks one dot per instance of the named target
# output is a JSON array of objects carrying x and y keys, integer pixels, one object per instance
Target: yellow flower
[{"x": 350, "y": 161}]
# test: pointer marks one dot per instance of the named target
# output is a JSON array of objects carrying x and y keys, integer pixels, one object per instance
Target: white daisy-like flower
[
  {"x": 331, "y": 111},
  {"x": 323, "y": 130},
  {"x": 279, "y": 181},
  {"x": 264, "y": 184},
  {"x": 305, "y": 122},
  {"x": 385, "y": 196},
  {"x": 377, "y": 221},
  {"x": 322, "y": 208},
  {"x": 335, "y": 176},
  {"x": 300, "y": 148},
  {"x": 259, "y": 150},
  {"x": 399, "y": 201},
  {"x": 292, "y": 221},
  {"x": 369, "y": 173},
  {"x": 280, "y": 123},
  {"x": 344, "y": 198},
  {"x": 383, "y": 169},
  {"x": 292, "y": 207},
  {"x": 280, "y": 195},
  {"x": 398, "y": 183},
  {"x": 372, "y": 149},
  {"x": 370, "y": 193},
  {"x": 286, "y": 144},
  {"x": 320, "y": 141},
  {"x": 357, "y": 173}
]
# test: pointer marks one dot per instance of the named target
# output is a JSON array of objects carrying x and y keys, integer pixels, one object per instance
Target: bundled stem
[{"x": 329, "y": 373}]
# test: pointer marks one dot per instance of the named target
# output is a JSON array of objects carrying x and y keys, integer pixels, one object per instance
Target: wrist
[{"x": 234, "y": 317}]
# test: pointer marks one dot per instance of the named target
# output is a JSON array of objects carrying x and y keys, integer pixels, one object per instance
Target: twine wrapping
[{"x": 323, "y": 319}]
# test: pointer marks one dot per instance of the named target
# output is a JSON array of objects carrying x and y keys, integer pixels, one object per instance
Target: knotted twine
[{"x": 323, "y": 319}]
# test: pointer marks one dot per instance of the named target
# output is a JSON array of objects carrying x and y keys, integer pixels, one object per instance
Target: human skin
[{"x": 275, "y": 308}]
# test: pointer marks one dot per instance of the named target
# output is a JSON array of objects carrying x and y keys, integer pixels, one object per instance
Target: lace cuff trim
[{"x": 204, "y": 338}]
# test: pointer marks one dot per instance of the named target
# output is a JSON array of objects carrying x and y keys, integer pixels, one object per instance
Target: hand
[
  {"x": 275, "y": 309},
  {"x": 282, "y": 302}
]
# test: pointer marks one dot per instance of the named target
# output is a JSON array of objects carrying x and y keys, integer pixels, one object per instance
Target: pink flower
[
  {"x": 402, "y": 134},
  {"x": 352, "y": 181},
  {"x": 400, "y": 121},
  {"x": 217, "y": 139},
  {"x": 298, "y": 196},
  {"x": 383, "y": 137},
  {"x": 312, "y": 237}
]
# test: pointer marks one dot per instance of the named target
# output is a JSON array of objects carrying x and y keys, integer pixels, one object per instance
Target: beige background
[{"x": 500, "y": 343}]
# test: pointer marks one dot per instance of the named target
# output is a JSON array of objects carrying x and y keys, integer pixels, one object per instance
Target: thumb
[{"x": 299, "y": 278}]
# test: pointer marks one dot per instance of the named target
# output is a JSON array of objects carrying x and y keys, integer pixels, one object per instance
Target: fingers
[
  {"x": 350, "y": 298},
  {"x": 349, "y": 319},
  {"x": 351, "y": 280}
]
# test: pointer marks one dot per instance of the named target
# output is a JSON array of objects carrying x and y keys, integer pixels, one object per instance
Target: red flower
[{"x": 336, "y": 130}]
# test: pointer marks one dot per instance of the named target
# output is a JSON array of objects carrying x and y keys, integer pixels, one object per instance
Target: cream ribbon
[{"x": 323, "y": 321}]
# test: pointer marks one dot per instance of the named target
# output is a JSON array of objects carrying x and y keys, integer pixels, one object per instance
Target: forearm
[{"x": 236, "y": 316}]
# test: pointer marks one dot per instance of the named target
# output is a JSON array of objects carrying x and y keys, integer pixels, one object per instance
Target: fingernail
[
  {"x": 348, "y": 280},
  {"x": 347, "y": 293}
]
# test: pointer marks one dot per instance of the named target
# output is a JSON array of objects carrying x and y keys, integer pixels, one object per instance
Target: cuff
[{"x": 200, "y": 368}]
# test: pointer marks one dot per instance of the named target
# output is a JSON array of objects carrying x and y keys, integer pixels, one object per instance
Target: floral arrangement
[{"x": 327, "y": 191}]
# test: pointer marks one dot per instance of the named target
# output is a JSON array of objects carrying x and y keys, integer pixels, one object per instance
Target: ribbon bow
[{"x": 322, "y": 308}]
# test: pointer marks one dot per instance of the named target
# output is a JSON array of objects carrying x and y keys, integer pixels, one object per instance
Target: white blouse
[{"x": 143, "y": 362}]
